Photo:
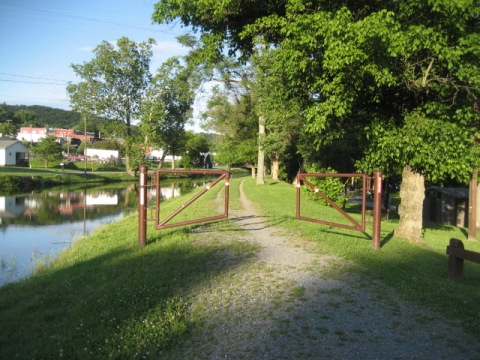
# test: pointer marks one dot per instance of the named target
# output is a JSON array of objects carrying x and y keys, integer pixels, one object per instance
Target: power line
[
  {"x": 32, "y": 98},
  {"x": 88, "y": 19},
  {"x": 33, "y": 82},
  {"x": 33, "y": 77}
]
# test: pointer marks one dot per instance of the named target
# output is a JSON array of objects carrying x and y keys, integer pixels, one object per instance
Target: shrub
[{"x": 332, "y": 187}]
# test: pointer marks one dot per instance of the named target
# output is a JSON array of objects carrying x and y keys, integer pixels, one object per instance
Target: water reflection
[{"x": 35, "y": 227}]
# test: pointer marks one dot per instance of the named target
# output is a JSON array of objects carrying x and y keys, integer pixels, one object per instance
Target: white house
[
  {"x": 103, "y": 155},
  {"x": 157, "y": 154},
  {"x": 12, "y": 152},
  {"x": 32, "y": 134},
  {"x": 11, "y": 207}
]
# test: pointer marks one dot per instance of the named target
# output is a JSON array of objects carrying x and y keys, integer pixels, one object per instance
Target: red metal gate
[
  {"x": 354, "y": 224},
  {"x": 165, "y": 223}
]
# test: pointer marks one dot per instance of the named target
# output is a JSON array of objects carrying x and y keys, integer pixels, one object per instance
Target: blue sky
[{"x": 40, "y": 39}]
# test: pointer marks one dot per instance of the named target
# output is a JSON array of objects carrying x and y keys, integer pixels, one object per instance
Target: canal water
[{"x": 35, "y": 227}]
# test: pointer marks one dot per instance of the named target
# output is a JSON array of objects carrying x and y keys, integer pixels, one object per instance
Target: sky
[{"x": 40, "y": 39}]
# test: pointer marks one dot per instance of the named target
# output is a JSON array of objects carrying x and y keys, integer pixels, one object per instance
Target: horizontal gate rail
[
  {"x": 164, "y": 224},
  {"x": 355, "y": 224}
]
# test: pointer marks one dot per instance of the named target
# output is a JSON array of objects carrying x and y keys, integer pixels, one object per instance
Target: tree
[
  {"x": 399, "y": 74},
  {"x": 25, "y": 117},
  {"x": 49, "y": 149},
  {"x": 7, "y": 129},
  {"x": 234, "y": 118},
  {"x": 168, "y": 106},
  {"x": 195, "y": 151},
  {"x": 114, "y": 82},
  {"x": 280, "y": 113}
]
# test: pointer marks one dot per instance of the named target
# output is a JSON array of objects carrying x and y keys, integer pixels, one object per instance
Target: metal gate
[
  {"x": 224, "y": 175},
  {"x": 166, "y": 223},
  {"x": 376, "y": 189}
]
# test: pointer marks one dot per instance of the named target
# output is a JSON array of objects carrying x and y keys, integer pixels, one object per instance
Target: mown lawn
[{"x": 417, "y": 271}]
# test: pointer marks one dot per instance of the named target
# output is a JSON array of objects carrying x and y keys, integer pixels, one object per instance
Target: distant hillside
[{"x": 45, "y": 116}]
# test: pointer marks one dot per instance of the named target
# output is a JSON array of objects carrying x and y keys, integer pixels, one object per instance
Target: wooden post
[{"x": 455, "y": 263}]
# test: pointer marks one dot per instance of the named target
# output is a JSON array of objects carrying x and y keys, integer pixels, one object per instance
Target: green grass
[
  {"x": 108, "y": 297},
  {"x": 418, "y": 272},
  {"x": 14, "y": 180}
]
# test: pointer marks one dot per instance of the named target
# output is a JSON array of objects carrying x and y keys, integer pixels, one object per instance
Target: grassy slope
[{"x": 109, "y": 297}]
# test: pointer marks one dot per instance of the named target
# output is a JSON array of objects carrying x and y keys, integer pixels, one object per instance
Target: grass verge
[
  {"x": 418, "y": 272},
  {"x": 106, "y": 297}
]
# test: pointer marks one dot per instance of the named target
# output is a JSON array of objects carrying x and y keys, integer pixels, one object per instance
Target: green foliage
[
  {"x": 195, "y": 151},
  {"x": 136, "y": 150},
  {"x": 237, "y": 123},
  {"x": 281, "y": 113},
  {"x": 49, "y": 149},
  {"x": 110, "y": 144},
  {"x": 167, "y": 106},
  {"x": 220, "y": 22},
  {"x": 440, "y": 149},
  {"x": 332, "y": 187},
  {"x": 113, "y": 82},
  {"x": 7, "y": 129}
]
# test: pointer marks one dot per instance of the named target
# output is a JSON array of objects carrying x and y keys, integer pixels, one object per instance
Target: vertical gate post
[
  {"x": 377, "y": 209},
  {"x": 142, "y": 206}
]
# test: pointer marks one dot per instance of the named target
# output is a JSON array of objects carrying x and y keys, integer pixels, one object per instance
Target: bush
[{"x": 332, "y": 187}]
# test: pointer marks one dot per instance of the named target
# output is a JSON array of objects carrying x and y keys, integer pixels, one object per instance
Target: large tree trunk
[
  {"x": 261, "y": 153},
  {"x": 412, "y": 194},
  {"x": 275, "y": 158},
  {"x": 472, "y": 207}
]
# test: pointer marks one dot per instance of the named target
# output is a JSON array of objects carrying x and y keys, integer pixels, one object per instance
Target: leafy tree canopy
[
  {"x": 114, "y": 81},
  {"x": 49, "y": 149}
]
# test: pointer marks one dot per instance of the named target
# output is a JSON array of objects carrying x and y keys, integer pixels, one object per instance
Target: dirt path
[{"x": 289, "y": 303}]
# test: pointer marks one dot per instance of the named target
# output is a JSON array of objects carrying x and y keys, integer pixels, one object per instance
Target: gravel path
[{"x": 289, "y": 303}]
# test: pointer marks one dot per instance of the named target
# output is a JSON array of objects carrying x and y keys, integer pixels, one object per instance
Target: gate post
[
  {"x": 377, "y": 209},
  {"x": 142, "y": 206}
]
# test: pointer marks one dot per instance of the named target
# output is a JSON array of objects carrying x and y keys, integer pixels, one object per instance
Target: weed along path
[{"x": 286, "y": 302}]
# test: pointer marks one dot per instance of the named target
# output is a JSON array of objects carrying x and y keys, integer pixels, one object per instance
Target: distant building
[
  {"x": 157, "y": 155},
  {"x": 68, "y": 134},
  {"x": 31, "y": 134},
  {"x": 12, "y": 153},
  {"x": 34, "y": 135},
  {"x": 103, "y": 155}
]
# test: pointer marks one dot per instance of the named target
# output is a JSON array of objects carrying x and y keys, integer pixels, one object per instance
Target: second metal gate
[{"x": 353, "y": 224}]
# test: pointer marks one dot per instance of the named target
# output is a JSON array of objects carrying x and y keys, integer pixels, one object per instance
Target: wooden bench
[{"x": 456, "y": 255}]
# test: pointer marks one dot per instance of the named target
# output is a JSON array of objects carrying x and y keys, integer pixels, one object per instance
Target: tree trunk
[
  {"x": 173, "y": 162},
  {"x": 275, "y": 158},
  {"x": 261, "y": 153},
  {"x": 162, "y": 159},
  {"x": 472, "y": 208},
  {"x": 253, "y": 171},
  {"x": 412, "y": 194}
]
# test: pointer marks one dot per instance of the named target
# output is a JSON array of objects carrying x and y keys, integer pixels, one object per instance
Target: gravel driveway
[{"x": 289, "y": 303}]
